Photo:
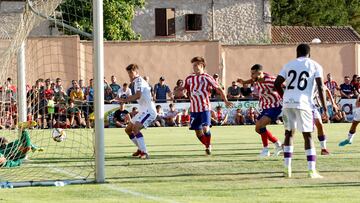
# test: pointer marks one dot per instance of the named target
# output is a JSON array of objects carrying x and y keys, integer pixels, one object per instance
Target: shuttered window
[
  {"x": 193, "y": 22},
  {"x": 164, "y": 21}
]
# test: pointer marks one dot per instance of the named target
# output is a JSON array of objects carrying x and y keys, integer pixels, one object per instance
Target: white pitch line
[{"x": 114, "y": 187}]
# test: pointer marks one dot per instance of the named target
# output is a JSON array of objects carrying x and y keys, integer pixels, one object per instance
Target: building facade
[{"x": 229, "y": 21}]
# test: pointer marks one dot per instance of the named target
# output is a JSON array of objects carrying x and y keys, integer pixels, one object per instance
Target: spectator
[
  {"x": 48, "y": 92},
  {"x": 50, "y": 111},
  {"x": 74, "y": 115},
  {"x": 82, "y": 86},
  {"x": 60, "y": 95},
  {"x": 185, "y": 118},
  {"x": 179, "y": 90},
  {"x": 346, "y": 89},
  {"x": 239, "y": 118},
  {"x": 125, "y": 90},
  {"x": 146, "y": 78},
  {"x": 234, "y": 91},
  {"x": 246, "y": 91},
  {"x": 159, "y": 120},
  {"x": 134, "y": 111},
  {"x": 73, "y": 83},
  {"x": 58, "y": 85},
  {"x": 61, "y": 120},
  {"x": 90, "y": 91},
  {"x": 338, "y": 117},
  {"x": 109, "y": 97},
  {"x": 76, "y": 93},
  {"x": 172, "y": 116},
  {"x": 354, "y": 79},
  {"x": 160, "y": 91},
  {"x": 251, "y": 115},
  {"x": 357, "y": 86},
  {"x": 89, "y": 107},
  {"x": 10, "y": 85},
  {"x": 121, "y": 117},
  {"x": 331, "y": 85},
  {"x": 114, "y": 86},
  {"x": 214, "y": 94},
  {"x": 219, "y": 117}
]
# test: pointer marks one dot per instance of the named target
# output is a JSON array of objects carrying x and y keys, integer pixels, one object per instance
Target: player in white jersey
[
  {"x": 147, "y": 110},
  {"x": 354, "y": 124},
  {"x": 300, "y": 76}
]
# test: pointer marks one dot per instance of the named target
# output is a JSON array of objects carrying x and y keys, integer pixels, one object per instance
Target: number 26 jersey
[{"x": 299, "y": 75}]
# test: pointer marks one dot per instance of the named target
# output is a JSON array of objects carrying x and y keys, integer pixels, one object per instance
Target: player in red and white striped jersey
[
  {"x": 198, "y": 87},
  {"x": 270, "y": 103}
]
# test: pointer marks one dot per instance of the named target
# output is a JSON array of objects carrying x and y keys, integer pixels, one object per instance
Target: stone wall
[{"x": 234, "y": 21}]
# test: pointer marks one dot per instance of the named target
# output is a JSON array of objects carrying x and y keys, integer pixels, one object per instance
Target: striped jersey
[
  {"x": 331, "y": 85},
  {"x": 198, "y": 87},
  {"x": 268, "y": 96}
]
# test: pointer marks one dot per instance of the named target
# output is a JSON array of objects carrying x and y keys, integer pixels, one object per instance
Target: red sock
[
  {"x": 270, "y": 137},
  {"x": 203, "y": 139},
  {"x": 264, "y": 139},
  {"x": 208, "y": 139}
]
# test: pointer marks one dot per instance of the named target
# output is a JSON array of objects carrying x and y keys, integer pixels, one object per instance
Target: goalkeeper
[{"x": 13, "y": 154}]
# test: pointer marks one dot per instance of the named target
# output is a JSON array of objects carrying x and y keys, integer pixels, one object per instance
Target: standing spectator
[
  {"x": 357, "y": 86},
  {"x": 89, "y": 106},
  {"x": 60, "y": 95},
  {"x": 146, "y": 78},
  {"x": 219, "y": 117},
  {"x": 48, "y": 92},
  {"x": 50, "y": 111},
  {"x": 346, "y": 89},
  {"x": 121, "y": 117},
  {"x": 76, "y": 93},
  {"x": 172, "y": 116},
  {"x": 10, "y": 85},
  {"x": 331, "y": 85},
  {"x": 179, "y": 90},
  {"x": 234, "y": 91},
  {"x": 125, "y": 90},
  {"x": 239, "y": 118},
  {"x": 160, "y": 91},
  {"x": 159, "y": 120},
  {"x": 82, "y": 86},
  {"x": 90, "y": 91},
  {"x": 114, "y": 86},
  {"x": 185, "y": 118},
  {"x": 246, "y": 91},
  {"x": 58, "y": 85},
  {"x": 73, "y": 83}
]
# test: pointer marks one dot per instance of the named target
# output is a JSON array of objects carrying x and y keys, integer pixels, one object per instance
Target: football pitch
[{"x": 179, "y": 171}]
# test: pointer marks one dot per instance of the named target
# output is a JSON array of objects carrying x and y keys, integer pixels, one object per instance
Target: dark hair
[
  {"x": 171, "y": 105},
  {"x": 125, "y": 84},
  {"x": 158, "y": 106},
  {"x": 302, "y": 50},
  {"x": 198, "y": 59},
  {"x": 132, "y": 67},
  {"x": 179, "y": 81},
  {"x": 257, "y": 67}
]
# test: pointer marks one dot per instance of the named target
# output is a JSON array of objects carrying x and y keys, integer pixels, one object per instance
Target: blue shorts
[
  {"x": 199, "y": 119},
  {"x": 272, "y": 113}
]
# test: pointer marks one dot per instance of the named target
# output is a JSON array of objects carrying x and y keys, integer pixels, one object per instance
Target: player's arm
[
  {"x": 250, "y": 81},
  {"x": 320, "y": 86},
  {"x": 331, "y": 98},
  {"x": 278, "y": 85}
]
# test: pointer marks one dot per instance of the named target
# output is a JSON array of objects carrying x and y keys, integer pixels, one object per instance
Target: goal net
[{"x": 46, "y": 94}]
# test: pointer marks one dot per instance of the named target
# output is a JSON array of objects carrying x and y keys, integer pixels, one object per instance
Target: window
[
  {"x": 193, "y": 22},
  {"x": 164, "y": 21}
]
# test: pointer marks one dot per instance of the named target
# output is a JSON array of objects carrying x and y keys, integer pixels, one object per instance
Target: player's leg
[
  {"x": 136, "y": 127},
  {"x": 320, "y": 134},
  {"x": 351, "y": 134},
  {"x": 352, "y": 131},
  {"x": 129, "y": 132},
  {"x": 306, "y": 126},
  {"x": 195, "y": 124},
  {"x": 206, "y": 122},
  {"x": 289, "y": 118}
]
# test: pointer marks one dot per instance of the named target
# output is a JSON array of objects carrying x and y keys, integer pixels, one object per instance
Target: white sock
[
  {"x": 277, "y": 144},
  {"x": 323, "y": 144},
  {"x": 141, "y": 143},
  {"x": 288, "y": 151},
  {"x": 134, "y": 140},
  {"x": 351, "y": 137},
  {"x": 311, "y": 158}
]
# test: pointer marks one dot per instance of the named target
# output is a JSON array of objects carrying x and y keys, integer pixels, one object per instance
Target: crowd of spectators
[{"x": 52, "y": 105}]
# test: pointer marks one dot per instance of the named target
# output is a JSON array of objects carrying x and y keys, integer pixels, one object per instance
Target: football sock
[
  {"x": 311, "y": 158},
  {"x": 322, "y": 139},
  {"x": 264, "y": 137},
  {"x": 351, "y": 137},
  {"x": 288, "y": 151},
  {"x": 202, "y": 139},
  {"x": 208, "y": 138},
  {"x": 141, "y": 142},
  {"x": 133, "y": 139}
]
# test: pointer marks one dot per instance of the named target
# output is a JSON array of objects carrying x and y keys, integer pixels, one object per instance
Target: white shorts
[
  {"x": 144, "y": 117},
  {"x": 300, "y": 119},
  {"x": 356, "y": 113},
  {"x": 317, "y": 115}
]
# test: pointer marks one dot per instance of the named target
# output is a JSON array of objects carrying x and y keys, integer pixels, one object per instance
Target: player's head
[
  {"x": 198, "y": 64},
  {"x": 303, "y": 50},
  {"x": 256, "y": 72},
  {"x": 133, "y": 71}
]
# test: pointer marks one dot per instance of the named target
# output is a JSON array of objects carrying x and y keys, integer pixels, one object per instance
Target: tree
[
  {"x": 118, "y": 16},
  {"x": 316, "y": 13}
]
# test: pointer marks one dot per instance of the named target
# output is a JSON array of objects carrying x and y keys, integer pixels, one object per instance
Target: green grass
[{"x": 178, "y": 171}]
